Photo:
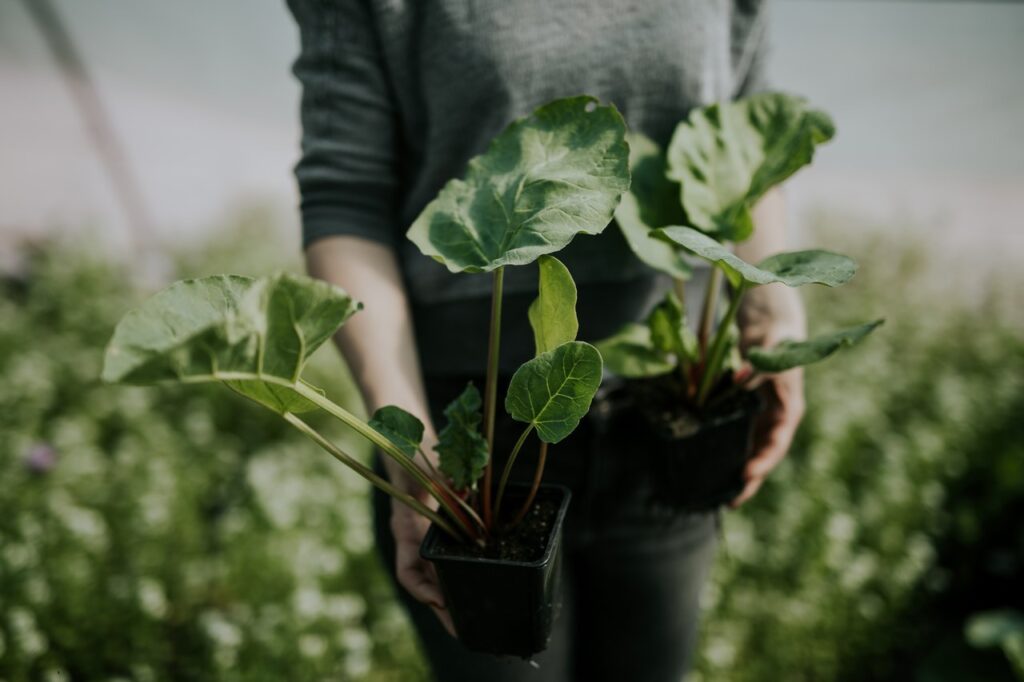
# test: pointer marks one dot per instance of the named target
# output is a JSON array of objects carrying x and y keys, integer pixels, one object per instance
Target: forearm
[
  {"x": 771, "y": 312},
  {"x": 378, "y": 342}
]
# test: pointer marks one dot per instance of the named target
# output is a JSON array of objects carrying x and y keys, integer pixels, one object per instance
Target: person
[{"x": 397, "y": 96}]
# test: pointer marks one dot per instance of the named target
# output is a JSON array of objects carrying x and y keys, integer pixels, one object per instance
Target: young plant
[
  {"x": 548, "y": 177},
  {"x": 545, "y": 179},
  {"x": 694, "y": 200}
]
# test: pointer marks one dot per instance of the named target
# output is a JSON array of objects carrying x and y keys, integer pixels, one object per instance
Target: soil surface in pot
[
  {"x": 660, "y": 400},
  {"x": 525, "y": 543}
]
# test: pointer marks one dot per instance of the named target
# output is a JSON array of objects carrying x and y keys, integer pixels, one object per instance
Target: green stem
[
  {"x": 716, "y": 354},
  {"x": 537, "y": 475},
  {"x": 373, "y": 478},
  {"x": 491, "y": 387},
  {"x": 679, "y": 286},
  {"x": 372, "y": 435},
  {"x": 684, "y": 363},
  {"x": 707, "y": 314},
  {"x": 508, "y": 468}
]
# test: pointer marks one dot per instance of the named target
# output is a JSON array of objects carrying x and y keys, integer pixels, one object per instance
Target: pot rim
[{"x": 433, "y": 534}]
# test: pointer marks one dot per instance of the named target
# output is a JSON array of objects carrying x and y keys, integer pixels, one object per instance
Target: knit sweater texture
[{"x": 398, "y": 95}]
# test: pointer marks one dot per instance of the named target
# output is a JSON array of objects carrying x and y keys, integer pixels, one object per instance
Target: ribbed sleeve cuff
[{"x": 366, "y": 211}]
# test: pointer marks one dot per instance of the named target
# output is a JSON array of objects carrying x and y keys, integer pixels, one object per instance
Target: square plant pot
[
  {"x": 504, "y": 606},
  {"x": 693, "y": 465},
  {"x": 704, "y": 470}
]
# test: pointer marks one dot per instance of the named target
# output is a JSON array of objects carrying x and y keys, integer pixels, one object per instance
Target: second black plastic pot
[
  {"x": 499, "y": 606},
  {"x": 698, "y": 472},
  {"x": 704, "y": 470}
]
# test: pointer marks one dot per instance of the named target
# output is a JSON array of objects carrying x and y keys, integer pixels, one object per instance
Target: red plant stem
[
  {"x": 538, "y": 474},
  {"x": 453, "y": 502},
  {"x": 439, "y": 479},
  {"x": 491, "y": 387}
]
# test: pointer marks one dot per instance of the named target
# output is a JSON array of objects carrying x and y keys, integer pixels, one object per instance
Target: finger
[
  {"x": 772, "y": 449},
  {"x": 749, "y": 490},
  {"x": 420, "y": 580},
  {"x": 446, "y": 619},
  {"x": 421, "y": 587}
]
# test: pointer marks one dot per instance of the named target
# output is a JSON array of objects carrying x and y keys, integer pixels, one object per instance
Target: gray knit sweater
[{"x": 399, "y": 94}]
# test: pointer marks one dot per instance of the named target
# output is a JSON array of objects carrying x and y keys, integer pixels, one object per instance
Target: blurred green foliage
[
  {"x": 898, "y": 511},
  {"x": 174, "y": 533},
  {"x": 179, "y": 533}
]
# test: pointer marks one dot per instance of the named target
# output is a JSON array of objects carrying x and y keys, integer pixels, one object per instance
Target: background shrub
[{"x": 181, "y": 534}]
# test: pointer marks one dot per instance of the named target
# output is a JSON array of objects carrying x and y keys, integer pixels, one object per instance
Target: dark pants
[{"x": 633, "y": 572}]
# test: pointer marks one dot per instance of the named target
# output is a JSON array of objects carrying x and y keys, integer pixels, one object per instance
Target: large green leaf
[
  {"x": 669, "y": 331},
  {"x": 790, "y": 354},
  {"x": 794, "y": 269},
  {"x": 553, "y": 313},
  {"x": 554, "y": 390},
  {"x": 631, "y": 354},
  {"x": 461, "y": 447},
  {"x": 727, "y": 155},
  {"x": 546, "y": 178},
  {"x": 255, "y": 335},
  {"x": 651, "y": 202},
  {"x": 399, "y": 427}
]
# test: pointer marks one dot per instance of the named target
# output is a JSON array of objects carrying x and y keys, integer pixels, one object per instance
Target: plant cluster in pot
[
  {"x": 548, "y": 177},
  {"x": 689, "y": 387}
]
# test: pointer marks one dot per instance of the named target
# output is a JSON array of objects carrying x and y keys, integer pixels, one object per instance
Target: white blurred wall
[{"x": 928, "y": 97}]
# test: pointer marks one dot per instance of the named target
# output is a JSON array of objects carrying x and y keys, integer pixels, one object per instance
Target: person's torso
[{"x": 462, "y": 70}]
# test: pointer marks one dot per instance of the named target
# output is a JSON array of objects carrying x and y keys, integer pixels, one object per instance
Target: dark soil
[
  {"x": 525, "y": 543},
  {"x": 663, "y": 404}
]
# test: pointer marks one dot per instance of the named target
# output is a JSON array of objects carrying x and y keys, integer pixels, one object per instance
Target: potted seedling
[
  {"x": 687, "y": 386},
  {"x": 548, "y": 177}
]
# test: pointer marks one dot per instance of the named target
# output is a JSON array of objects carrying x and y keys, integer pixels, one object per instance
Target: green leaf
[
  {"x": 554, "y": 390},
  {"x": 789, "y": 354},
  {"x": 631, "y": 354},
  {"x": 651, "y": 202},
  {"x": 553, "y": 313},
  {"x": 399, "y": 427},
  {"x": 994, "y": 628},
  {"x": 794, "y": 269},
  {"x": 669, "y": 331},
  {"x": 727, "y": 155},
  {"x": 255, "y": 335},
  {"x": 461, "y": 446},
  {"x": 546, "y": 178}
]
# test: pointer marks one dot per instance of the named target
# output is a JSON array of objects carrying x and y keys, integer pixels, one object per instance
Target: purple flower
[{"x": 40, "y": 458}]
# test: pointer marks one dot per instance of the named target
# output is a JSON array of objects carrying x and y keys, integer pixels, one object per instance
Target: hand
[
  {"x": 774, "y": 428},
  {"x": 414, "y": 573}
]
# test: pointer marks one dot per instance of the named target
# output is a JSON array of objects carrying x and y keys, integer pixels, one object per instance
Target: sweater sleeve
[
  {"x": 347, "y": 174},
  {"x": 750, "y": 46}
]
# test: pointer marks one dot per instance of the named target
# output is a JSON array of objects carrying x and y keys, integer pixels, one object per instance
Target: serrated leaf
[
  {"x": 790, "y": 354},
  {"x": 255, "y": 335},
  {"x": 553, "y": 313},
  {"x": 631, "y": 354},
  {"x": 461, "y": 447},
  {"x": 794, "y": 268},
  {"x": 548, "y": 177},
  {"x": 399, "y": 427},
  {"x": 727, "y": 155},
  {"x": 554, "y": 390},
  {"x": 651, "y": 202}
]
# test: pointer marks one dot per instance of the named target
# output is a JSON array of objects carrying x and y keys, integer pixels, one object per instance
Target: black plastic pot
[
  {"x": 697, "y": 472},
  {"x": 704, "y": 470},
  {"x": 502, "y": 607}
]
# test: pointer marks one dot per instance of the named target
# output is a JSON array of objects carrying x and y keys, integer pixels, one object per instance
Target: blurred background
[{"x": 168, "y": 534}]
